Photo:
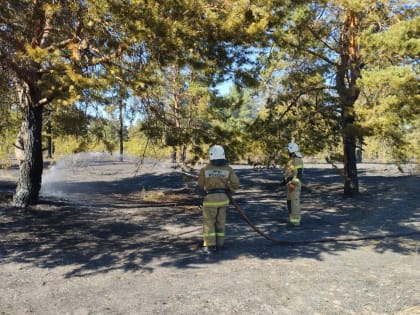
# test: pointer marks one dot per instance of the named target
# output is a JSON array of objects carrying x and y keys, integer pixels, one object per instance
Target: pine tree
[
  {"x": 316, "y": 58},
  {"x": 388, "y": 106},
  {"x": 61, "y": 51},
  {"x": 49, "y": 47}
]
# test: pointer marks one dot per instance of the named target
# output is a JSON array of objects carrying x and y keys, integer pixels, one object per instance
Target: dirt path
[{"x": 112, "y": 238}]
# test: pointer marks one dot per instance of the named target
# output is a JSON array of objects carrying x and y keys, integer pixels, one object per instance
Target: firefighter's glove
[{"x": 291, "y": 186}]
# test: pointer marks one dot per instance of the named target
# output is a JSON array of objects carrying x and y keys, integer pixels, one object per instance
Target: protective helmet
[
  {"x": 217, "y": 153},
  {"x": 292, "y": 147}
]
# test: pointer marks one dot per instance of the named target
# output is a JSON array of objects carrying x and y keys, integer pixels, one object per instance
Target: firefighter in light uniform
[
  {"x": 293, "y": 172},
  {"x": 216, "y": 178}
]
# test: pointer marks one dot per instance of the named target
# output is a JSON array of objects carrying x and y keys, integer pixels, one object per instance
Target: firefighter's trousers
[
  {"x": 293, "y": 203},
  {"x": 214, "y": 220}
]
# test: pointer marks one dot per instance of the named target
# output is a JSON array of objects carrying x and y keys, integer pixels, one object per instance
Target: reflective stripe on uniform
[
  {"x": 216, "y": 173},
  {"x": 214, "y": 234},
  {"x": 294, "y": 221},
  {"x": 210, "y": 234},
  {"x": 296, "y": 180},
  {"x": 216, "y": 203}
]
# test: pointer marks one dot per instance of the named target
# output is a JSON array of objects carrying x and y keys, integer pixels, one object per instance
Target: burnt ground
[{"x": 110, "y": 237}]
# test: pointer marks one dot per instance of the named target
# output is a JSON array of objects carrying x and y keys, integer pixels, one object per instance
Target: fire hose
[
  {"x": 243, "y": 215},
  {"x": 322, "y": 240}
]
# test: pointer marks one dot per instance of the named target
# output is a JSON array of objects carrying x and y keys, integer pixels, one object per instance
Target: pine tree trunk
[
  {"x": 346, "y": 83},
  {"x": 121, "y": 130},
  {"x": 351, "y": 182},
  {"x": 31, "y": 167},
  {"x": 49, "y": 141}
]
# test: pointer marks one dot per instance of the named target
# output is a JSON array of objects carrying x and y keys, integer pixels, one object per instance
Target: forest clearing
[
  {"x": 111, "y": 238},
  {"x": 108, "y": 109}
]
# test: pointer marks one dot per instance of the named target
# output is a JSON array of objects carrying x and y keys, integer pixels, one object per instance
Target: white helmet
[
  {"x": 292, "y": 147},
  {"x": 217, "y": 153}
]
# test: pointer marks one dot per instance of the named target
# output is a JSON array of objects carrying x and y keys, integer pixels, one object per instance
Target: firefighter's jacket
[
  {"x": 293, "y": 170},
  {"x": 216, "y": 178}
]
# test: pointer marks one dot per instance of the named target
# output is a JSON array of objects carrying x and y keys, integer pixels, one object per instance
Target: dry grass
[{"x": 413, "y": 310}]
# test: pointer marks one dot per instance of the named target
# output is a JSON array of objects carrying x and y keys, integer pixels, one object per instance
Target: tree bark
[
  {"x": 31, "y": 167},
  {"x": 348, "y": 91},
  {"x": 351, "y": 181},
  {"x": 121, "y": 129},
  {"x": 49, "y": 141}
]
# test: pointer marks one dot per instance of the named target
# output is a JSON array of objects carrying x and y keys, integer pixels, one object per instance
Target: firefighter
[
  {"x": 293, "y": 172},
  {"x": 216, "y": 179}
]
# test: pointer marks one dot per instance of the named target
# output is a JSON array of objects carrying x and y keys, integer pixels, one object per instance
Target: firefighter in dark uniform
[
  {"x": 216, "y": 179},
  {"x": 293, "y": 172}
]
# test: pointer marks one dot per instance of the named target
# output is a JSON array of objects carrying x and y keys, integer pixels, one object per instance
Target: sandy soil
[{"x": 112, "y": 237}]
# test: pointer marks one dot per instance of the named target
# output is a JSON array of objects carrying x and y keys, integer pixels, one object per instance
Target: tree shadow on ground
[{"x": 104, "y": 225}]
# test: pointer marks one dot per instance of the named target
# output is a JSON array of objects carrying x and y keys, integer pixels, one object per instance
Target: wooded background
[{"x": 143, "y": 77}]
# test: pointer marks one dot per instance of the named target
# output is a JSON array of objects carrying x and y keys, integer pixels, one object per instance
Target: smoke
[
  {"x": 88, "y": 172},
  {"x": 62, "y": 179}
]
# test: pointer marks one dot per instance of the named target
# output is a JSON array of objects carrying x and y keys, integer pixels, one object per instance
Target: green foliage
[
  {"x": 140, "y": 145},
  {"x": 389, "y": 107},
  {"x": 101, "y": 136},
  {"x": 9, "y": 116},
  {"x": 68, "y": 121},
  {"x": 161, "y": 60},
  {"x": 310, "y": 83},
  {"x": 399, "y": 42},
  {"x": 68, "y": 144}
]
